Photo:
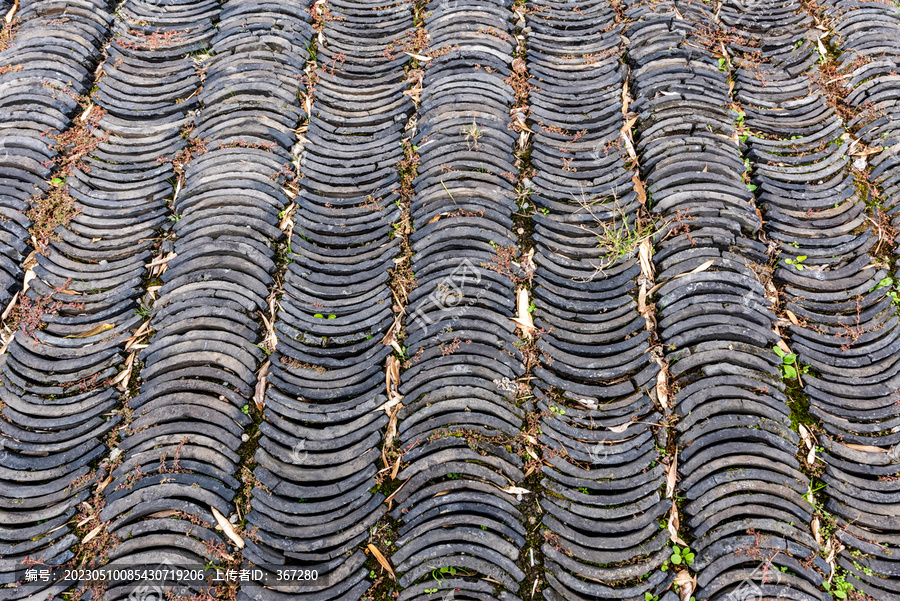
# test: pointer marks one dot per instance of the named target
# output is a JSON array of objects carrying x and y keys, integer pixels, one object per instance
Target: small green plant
[
  {"x": 557, "y": 410},
  {"x": 681, "y": 555},
  {"x": 797, "y": 263},
  {"x": 891, "y": 285},
  {"x": 789, "y": 367},
  {"x": 839, "y": 587},
  {"x": 648, "y": 596},
  {"x": 245, "y": 409}
]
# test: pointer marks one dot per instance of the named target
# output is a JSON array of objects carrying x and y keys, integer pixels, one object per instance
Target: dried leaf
[
  {"x": 121, "y": 380},
  {"x": 626, "y": 97},
  {"x": 259, "y": 394},
  {"x": 864, "y": 448},
  {"x": 392, "y": 427},
  {"x": 706, "y": 265},
  {"x": 783, "y": 346},
  {"x": 392, "y": 379},
  {"x": 227, "y": 528},
  {"x": 381, "y": 560},
  {"x": 792, "y": 317},
  {"x": 389, "y": 501},
  {"x": 166, "y": 513},
  {"x": 645, "y": 251},
  {"x": 29, "y": 275},
  {"x": 12, "y": 11},
  {"x": 516, "y": 490},
  {"x": 620, "y": 428},
  {"x": 130, "y": 342},
  {"x": 686, "y": 584},
  {"x": 396, "y": 468},
  {"x": 639, "y": 188},
  {"x": 815, "y": 530},
  {"x": 804, "y": 434},
  {"x": 662, "y": 389},
  {"x": 9, "y": 307},
  {"x": 671, "y": 477},
  {"x": 418, "y": 57},
  {"x": 99, "y": 329},
  {"x": 434, "y": 219},
  {"x": 822, "y": 50},
  {"x": 101, "y": 486},
  {"x": 92, "y": 534},
  {"x": 523, "y": 318},
  {"x": 673, "y": 526}
]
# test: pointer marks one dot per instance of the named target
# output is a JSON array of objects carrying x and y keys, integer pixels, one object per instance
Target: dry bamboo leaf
[
  {"x": 99, "y": 329},
  {"x": 389, "y": 501},
  {"x": 864, "y": 448},
  {"x": 161, "y": 260},
  {"x": 639, "y": 188},
  {"x": 167, "y": 513},
  {"x": 671, "y": 477},
  {"x": 792, "y": 317},
  {"x": 706, "y": 265},
  {"x": 391, "y": 431},
  {"x": 396, "y": 469},
  {"x": 434, "y": 219},
  {"x": 523, "y": 318},
  {"x": 130, "y": 342},
  {"x": 811, "y": 456},
  {"x": 29, "y": 275},
  {"x": 783, "y": 346},
  {"x": 642, "y": 301},
  {"x": 815, "y": 530},
  {"x": 822, "y": 50},
  {"x": 227, "y": 528},
  {"x": 259, "y": 394},
  {"x": 92, "y": 534},
  {"x": 645, "y": 251},
  {"x": 686, "y": 584},
  {"x": 804, "y": 434},
  {"x": 516, "y": 490},
  {"x": 626, "y": 98},
  {"x": 662, "y": 389},
  {"x": 12, "y": 11},
  {"x": 418, "y": 57},
  {"x": 620, "y": 428},
  {"x": 105, "y": 483},
  {"x": 381, "y": 560},
  {"x": 9, "y": 307},
  {"x": 673, "y": 526},
  {"x": 121, "y": 380}
]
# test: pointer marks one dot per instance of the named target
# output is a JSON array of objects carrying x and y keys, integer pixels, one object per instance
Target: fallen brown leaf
[
  {"x": 227, "y": 528},
  {"x": 671, "y": 477},
  {"x": 98, "y": 329},
  {"x": 381, "y": 560},
  {"x": 92, "y": 534},
  {"x": 673, "y": 526},
  {"x": 259, "y": 394},
  {"x": 523, "y": 318},
  {"x": 865, "y": 448}
]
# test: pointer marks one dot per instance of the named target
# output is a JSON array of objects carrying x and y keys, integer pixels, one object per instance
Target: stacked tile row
[
  {"x": 736, "y": 449},
  {"x": 458, "y": 506},
  {"x": 198, "y": 376},
  {"x": 595, "y": 385},
  {"x": 324, "y": 417},
  {"x": 848, "y": 334}
]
